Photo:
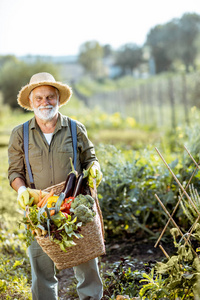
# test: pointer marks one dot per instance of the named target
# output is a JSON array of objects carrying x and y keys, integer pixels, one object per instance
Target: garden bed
[{"x": 141, "y": 253}]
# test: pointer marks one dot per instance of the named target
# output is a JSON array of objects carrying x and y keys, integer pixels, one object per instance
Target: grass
[
  {"x": 130, "y": 138},
  {"x": 8, "y": 203},
  {"x": 15, "y": 267}
]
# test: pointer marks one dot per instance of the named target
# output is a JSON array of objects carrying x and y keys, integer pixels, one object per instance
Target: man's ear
[{"x": 31, "y": 103}]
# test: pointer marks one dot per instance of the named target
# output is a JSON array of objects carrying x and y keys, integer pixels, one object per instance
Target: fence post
[
  {"x": 160, "y": 104},
  {"x": 142, "y": 103},
  {"x": 150, "y": 103},
  {"x": 184, "y": 95},
  {"x": 172, "y": 103},
  {"x": 136, "y": 105}
]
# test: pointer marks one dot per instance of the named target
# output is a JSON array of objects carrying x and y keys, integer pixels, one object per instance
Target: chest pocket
[
  {"x": 64, "y": 154},
  {"x": 35, "y": 159}
]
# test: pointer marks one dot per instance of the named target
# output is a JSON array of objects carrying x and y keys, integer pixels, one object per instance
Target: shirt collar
[{"x": 61, "y": 122}]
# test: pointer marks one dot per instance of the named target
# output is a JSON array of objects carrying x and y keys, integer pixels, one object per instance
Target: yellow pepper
[{"x": 51, "y": 202}]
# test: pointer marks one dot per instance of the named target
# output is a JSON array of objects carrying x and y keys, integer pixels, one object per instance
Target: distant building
[
  {"x": 72, "y": 71},
  {"x": 70, "y": 68}
]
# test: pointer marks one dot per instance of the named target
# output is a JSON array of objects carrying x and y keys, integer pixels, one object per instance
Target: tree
[
  {"x": 189, "y": 30},
  {"x": 7, "y": 58},
  {"x": 90, "y": 57},
  {"x": 14, "y": 74},
  {"x": 175, "y": 41},
  {"x": 107, "y": 50},
  {"x": 128, "y": 58},
  {"x": 156, "y": 40}
]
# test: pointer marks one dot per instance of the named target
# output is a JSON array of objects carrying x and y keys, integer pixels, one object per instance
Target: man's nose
[{"x": 45, "y": 101}]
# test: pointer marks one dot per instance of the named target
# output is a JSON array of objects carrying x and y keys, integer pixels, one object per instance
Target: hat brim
[{"x": 65, "y": 93}]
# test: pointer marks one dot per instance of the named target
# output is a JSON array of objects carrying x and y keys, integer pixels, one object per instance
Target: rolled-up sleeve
[{"x": 16, "y": 167}]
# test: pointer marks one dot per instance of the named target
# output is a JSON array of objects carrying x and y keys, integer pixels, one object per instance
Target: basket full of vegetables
[{"x": 66, "y": 221}]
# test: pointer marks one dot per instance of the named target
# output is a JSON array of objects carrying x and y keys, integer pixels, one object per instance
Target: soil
[{"x": 141, "y": 251}]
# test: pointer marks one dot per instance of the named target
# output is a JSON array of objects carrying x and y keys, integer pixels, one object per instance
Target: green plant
[
  {"x": 190, "y": 210},
  {"x": 127, "y": 192},
  {"x": 121, "y": 279},
  {"x": 155, "y": 287},
  {"x": 15, "y": 274},
  {"x": 178, "y": 277}
]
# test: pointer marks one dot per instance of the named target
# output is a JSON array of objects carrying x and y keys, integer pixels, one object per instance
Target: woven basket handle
[{"x": 93, "y": 192}]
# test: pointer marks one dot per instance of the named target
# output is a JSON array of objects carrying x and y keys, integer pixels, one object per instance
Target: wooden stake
[
  {"x": 163, "y": 250},
  {"x": 178, "y": 182},
  {"x": 193, "y": 227},
  {"x": 197, "y": 164},
  {"x": 171, "y": 219},
  {"x": 180, "y": 198},
  {"x": 186, "y": 241}
]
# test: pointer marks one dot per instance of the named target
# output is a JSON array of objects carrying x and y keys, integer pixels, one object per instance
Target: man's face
[{"x": 45, "y": 102}]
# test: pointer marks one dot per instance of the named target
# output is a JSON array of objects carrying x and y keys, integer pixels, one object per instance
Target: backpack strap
[
  {"x": 74, "y": 140},
  {"x": 26, "y": 140}
]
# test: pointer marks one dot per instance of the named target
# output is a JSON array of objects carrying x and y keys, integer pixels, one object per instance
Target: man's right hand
[{"x": 23, "y": 197}]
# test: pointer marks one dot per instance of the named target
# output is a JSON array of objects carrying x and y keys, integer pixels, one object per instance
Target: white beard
[{"x": 46, "y": 114}]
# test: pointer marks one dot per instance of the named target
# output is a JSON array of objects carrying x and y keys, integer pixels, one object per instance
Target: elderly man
[{"x": 50, "y": 146}]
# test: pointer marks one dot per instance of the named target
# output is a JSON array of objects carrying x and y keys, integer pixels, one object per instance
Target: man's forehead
[{"x": 44, "y": 89}]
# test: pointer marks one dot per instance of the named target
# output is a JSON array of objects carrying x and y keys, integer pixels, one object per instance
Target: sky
[{"x": 60, "y": 27}]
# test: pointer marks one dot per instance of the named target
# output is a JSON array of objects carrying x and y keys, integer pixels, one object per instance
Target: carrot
[
  {"x": 44, "y": 201},
  {"x": 40, "y": 203},
  {"x": 52, "y": 212},
  {"x": 40, "y": 196},
  {"x": 47, "y": 197}
]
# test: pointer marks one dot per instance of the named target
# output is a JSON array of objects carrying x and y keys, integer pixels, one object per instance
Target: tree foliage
[
  {"x": 173, "y": 41},
  {"x": 90, "y": 57},
  {"x": 189, "y": 30},
  {"x": 14, "y": 74},
  {"x": 129, "y": 57}
]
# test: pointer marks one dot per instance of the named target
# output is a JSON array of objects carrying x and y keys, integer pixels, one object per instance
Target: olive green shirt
[{"x": 50, "y": 164}]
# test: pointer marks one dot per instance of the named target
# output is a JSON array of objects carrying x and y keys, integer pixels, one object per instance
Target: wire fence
[{"x": 156, "y": 101}]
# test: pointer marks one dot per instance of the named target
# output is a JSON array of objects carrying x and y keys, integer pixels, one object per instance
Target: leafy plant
[
  {"x": 178, "y": 277},
  {"x": 121, "y": 279},
  {"x": 15, "y": 272},
  {"x": 127, "y": 192},
  {"x": 190, "y": 210},
  {"x": 155, "y": 287}
]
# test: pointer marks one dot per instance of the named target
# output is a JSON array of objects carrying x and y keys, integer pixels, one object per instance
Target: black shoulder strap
[{"x": 26, "y": 140}]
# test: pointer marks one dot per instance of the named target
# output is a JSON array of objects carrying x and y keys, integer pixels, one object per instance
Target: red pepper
[
  {"x": 69, "y": 199},
  {"x": 67, "y": 205}
]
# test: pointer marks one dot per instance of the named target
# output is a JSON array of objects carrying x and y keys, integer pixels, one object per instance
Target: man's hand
[
  {"x": 96, "y": 174},
  {"x": 23, "y": 197}
]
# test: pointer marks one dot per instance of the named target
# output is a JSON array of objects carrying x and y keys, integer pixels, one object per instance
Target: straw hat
[{"x": 40, "y": 79}]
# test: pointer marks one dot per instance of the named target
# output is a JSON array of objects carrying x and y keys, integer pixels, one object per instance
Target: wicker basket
[{"x": 89, "y": 247}]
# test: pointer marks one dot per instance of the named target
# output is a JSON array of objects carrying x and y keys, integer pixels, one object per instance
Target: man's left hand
[{"x": 96, "y": 174}]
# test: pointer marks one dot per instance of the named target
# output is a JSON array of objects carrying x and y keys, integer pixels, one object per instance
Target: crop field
[{"x": 133, "y": 173}]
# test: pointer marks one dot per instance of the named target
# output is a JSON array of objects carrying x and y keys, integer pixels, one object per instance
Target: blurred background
[{"x": 137, "y": 60}]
